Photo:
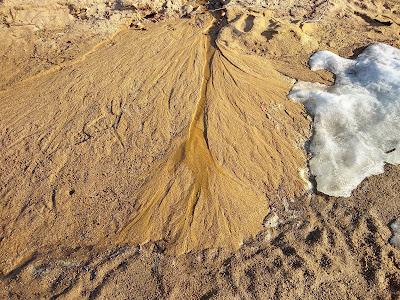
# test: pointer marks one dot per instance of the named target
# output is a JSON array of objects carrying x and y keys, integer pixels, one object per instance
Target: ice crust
[
  {"x": 356, "y": 121},
  {"x": 395, "y": 239}
]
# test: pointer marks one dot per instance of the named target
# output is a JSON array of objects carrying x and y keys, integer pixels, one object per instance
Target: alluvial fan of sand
[{"x": 150, "y": 151}]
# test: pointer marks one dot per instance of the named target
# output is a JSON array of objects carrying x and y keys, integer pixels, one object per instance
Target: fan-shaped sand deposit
[{"x": 183, "y": 129}]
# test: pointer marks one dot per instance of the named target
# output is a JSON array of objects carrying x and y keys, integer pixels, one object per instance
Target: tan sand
[{"x": 180, "y": 138}]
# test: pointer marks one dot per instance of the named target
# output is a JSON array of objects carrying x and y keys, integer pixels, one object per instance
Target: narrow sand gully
[{"x": 196, "y": 152}]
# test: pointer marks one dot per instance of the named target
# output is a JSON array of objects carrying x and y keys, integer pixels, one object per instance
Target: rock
[
  {"x": 186, "y": 10},
  {"x": 272, "y": 221},
  {"x": 138, "y": 25}
]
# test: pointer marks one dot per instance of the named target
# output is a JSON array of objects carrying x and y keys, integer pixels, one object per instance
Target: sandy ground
[{"x": 150, "y": 151}]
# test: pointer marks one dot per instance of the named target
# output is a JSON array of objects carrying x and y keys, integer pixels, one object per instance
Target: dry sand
[{"x": 151, "y": 152}]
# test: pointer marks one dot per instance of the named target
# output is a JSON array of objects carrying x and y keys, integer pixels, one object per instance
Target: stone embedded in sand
[{"x": 272, "y": 221}]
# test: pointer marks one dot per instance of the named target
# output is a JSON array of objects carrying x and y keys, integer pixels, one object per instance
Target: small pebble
[{"x": 272, "y": 221}]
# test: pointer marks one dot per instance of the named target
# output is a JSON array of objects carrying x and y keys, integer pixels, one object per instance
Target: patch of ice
[
  {"x": 395, "y": 239},
  {"x": 356, "y": 121}
]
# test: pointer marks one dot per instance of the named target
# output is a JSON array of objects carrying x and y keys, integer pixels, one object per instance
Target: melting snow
[{"x": 357, "y": 120}]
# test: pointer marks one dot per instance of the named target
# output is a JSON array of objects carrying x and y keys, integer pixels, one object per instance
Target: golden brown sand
[{"x": 180, "y": 138}]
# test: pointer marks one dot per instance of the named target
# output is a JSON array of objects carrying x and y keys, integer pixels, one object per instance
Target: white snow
[{"x": 356, "y": 121}]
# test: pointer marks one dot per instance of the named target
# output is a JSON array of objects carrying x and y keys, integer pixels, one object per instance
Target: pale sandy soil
[{"x": 168, "y": 126}]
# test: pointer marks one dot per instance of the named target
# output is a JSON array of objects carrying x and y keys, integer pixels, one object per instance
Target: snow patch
[{"x": 356, "y": 121}]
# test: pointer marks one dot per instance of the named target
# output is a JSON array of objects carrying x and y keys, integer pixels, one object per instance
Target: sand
[{"x": 161, "y": 158}]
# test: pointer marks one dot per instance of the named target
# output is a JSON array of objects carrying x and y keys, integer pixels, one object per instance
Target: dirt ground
[{"x": 149, "y": 151}]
